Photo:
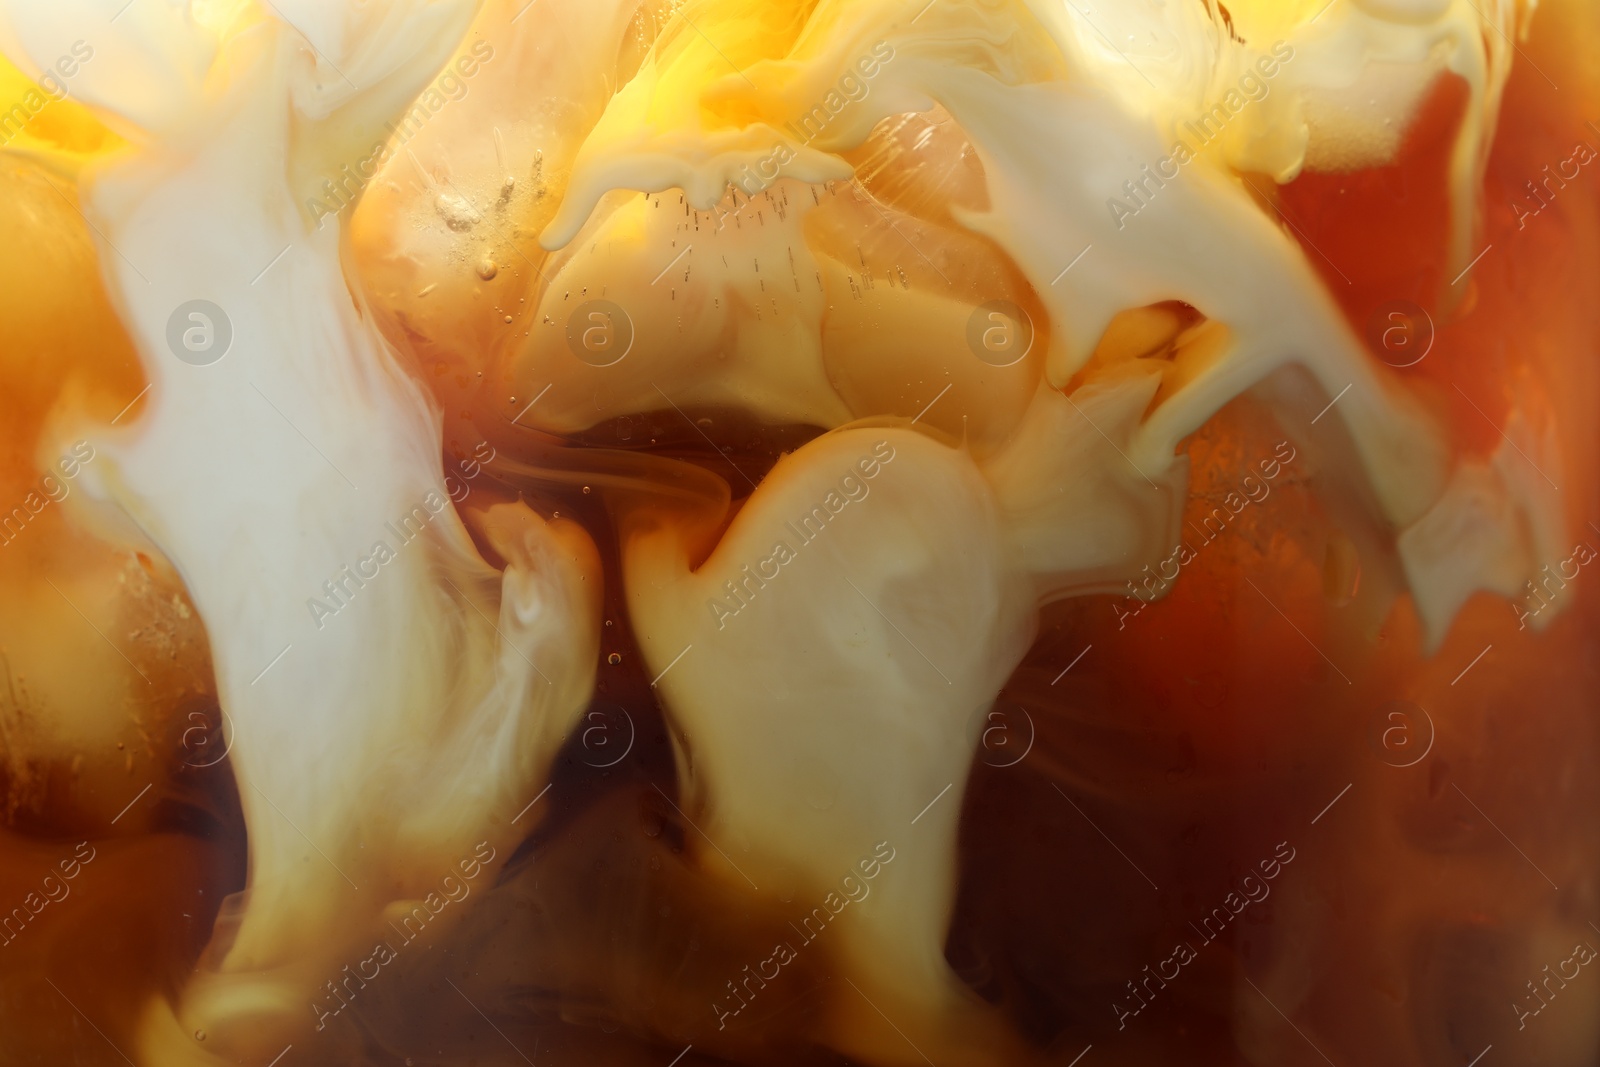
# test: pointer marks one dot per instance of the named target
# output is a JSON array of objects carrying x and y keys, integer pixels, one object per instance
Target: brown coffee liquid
[{"x": 1246, "y": 823}]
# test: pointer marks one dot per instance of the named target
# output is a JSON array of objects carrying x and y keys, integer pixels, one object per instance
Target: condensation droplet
[
  {"x": 199, "y": 1035},
  {"x": 488, "y": 269},
  {"x": 614, "y": 659}
]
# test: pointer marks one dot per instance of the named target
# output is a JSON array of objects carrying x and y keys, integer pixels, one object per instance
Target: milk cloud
[
  {"x": 852, "y": 488},
  {"x": 854, "y": 887},
  {"x": 51, "y": 489},
  {"x": 853, "y": 86},
  {"x": 453, "y": 889},
  {"x": 208, "y": 192},
  {"x": 1252, "y": 87},
  {"x": 340, "y": 190},
  {"x": 347, "y": 581},
  {"x": 52, "y": 88},
  {"x": 341, "y": 589}
]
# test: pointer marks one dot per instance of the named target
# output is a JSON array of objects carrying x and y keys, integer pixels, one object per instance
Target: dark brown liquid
[{"x": 1171, "y": 760}]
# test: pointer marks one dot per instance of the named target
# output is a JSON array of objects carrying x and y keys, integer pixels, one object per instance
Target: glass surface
[{"x": 970, "y": 532}]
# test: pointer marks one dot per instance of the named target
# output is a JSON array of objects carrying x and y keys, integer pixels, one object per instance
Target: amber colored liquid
[{"x": 1189, "y": 748}]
